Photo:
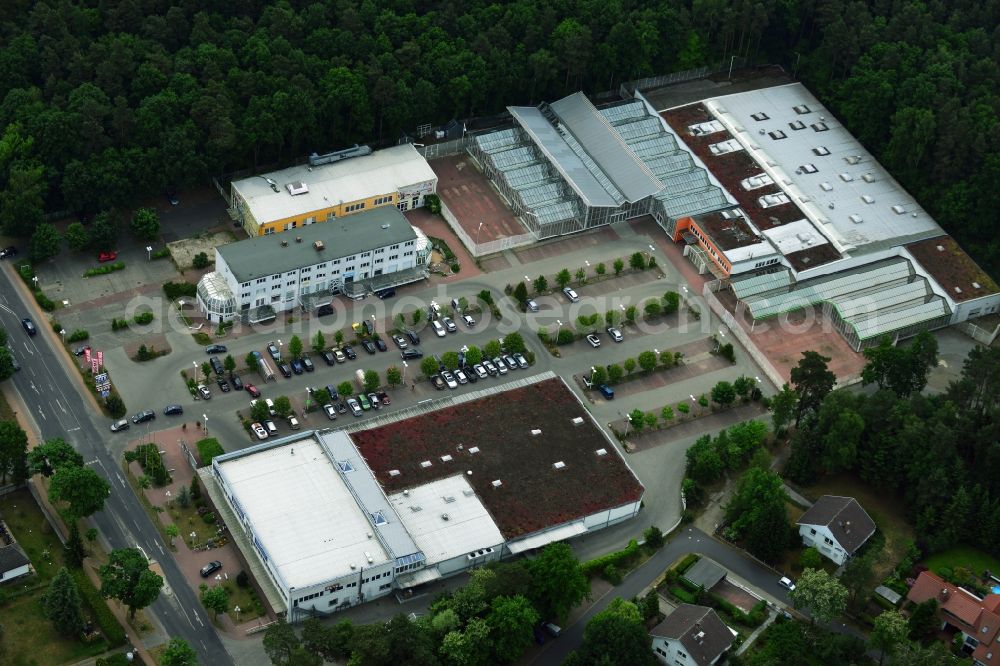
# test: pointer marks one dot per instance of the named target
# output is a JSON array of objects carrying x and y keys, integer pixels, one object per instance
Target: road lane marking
[
  {"x": 92, "y": 462},
  {"x": 120, "y": 479},
  {"x": 35, "y": 388},
  {"x": 45, "y": 418},
  {"x": 60, "y": 405},
  {"x": 28, "y": 349},
  {"x": 73, "y": 429}
]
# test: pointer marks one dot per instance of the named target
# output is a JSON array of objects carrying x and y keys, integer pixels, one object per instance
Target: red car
[
  {"x": 252, "y": 390},
  {"x": 107, "y": 256}
]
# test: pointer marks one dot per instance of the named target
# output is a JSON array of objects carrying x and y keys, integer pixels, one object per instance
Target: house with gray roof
[
  {"x": 691, "y": 635},
  {"x": 836, "y": 526},
  {"x": 258, "y": 277}
]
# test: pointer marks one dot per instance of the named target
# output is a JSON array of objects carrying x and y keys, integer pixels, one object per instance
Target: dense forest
[{"x": 103, "y": 102}]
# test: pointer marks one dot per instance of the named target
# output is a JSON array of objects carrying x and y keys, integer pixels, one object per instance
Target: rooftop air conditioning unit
[
  {"x": 318, "y": 245},
  {"x": 298, "y": 187}
]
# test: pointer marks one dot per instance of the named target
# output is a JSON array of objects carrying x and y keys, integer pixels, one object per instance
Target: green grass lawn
[
  {"x": 28, "y": 637},
  {"x": 245, "y": 598},
  {"x": 971, "y": 558},
  {"x": 885, "y": 509}
]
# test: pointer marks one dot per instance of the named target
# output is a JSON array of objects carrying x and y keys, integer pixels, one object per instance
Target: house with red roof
[{"x": 977, "y": 618}]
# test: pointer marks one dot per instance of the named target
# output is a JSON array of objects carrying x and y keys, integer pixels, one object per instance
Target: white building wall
[
  {"x": 824, "y": 542},
  {"x": 975, "y": 307},
  {"x": 14, "y": 573},
  {"x": 670, "y": 652}
]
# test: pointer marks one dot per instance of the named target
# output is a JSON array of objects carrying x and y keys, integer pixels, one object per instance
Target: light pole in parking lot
[
  {"x": 195, "y": 364},
  {"x": 149, "y": 253},
  {"x": 593, "y": 371},
  {"x": 477, "y": 232},
  {"x": 193, "y": 536},
  {"x": 62, "y": 332},
  {"x": 405, "y": 366},
  {"x": 627, "y": 421},
  {"x": 205, "y": 417},
  {"x": 558, "y": 330}
]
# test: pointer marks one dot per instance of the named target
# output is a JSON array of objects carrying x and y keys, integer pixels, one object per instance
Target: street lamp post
[
  {"x": 593, "y": 371},
  {"x": 193, "y": 536},
  {"x": 237, "y": 609},
  {"x": 477, "y": 233},
  {"x": 205, "y": 418},
  {"x": 626, "y": 423},
  {"x": 405, "y": 366},
  {"x": 62, "y": 332},
  {"x": 195, "y": 364},
  {"x": 149, "y": 253}
]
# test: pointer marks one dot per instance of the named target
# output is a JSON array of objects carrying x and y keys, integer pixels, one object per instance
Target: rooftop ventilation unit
[
  {"x": 558, "y": 465},
  {"x": 393, "y": 472},
  {"x": 446, "y": 458},
  {"x": 535, "y": 432},
  {"x": 284, "y": 242},
  {"x": 425, "y": 464},
  {"x": 473, "y": 449},
  {"x": 801, "y": 109},
  {"x": 808, "y": 168},
  {"x": 296, "y": 188},
  {"x": 298, "y": 239},
  {"x": 958, "y": 290},
  {"x": 272, "y": 183},
  {"x": 368, "y": 556},
  {"x": 339, "y": 155},
  {"x": 448, "y": 499},
  {"x": 601, "y": 452},
  {"x": 826, "y": 187},
  {"x": 578, "y": 421},
  {"x": 852, "y": 159},
  {"x": 468, "y": 492},
  {"x": 867, "y": 198},
  {"x": 846, "y": 177},
  {"x": 496, "y": 483},
  {"x": 319, "y": 245},
  {"x": 797, "y": 125},
  {"x": 416, "y": 509},
  {"x": 821, "y": 151},
  {"x": 856, "y": 219},
  {"x": 445, "y": 517},
  {"x": 899, "y": 210},
  {"x": 868, "y": 177},
  {"x": 975, "y": 285}
]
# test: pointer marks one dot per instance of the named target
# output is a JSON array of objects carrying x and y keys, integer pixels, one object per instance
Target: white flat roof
[
  {"x": 302, "y": 512},
  {"x": 382, "y": 172},
  {"x": 469, "y": 526},
  {"x": 855, "y": 183},
  {"x": 795, "y": 236}
]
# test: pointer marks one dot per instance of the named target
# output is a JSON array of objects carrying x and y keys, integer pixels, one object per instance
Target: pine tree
[
  {"x": 61, "y": 604},
  {"x": 73, "y": 550}
]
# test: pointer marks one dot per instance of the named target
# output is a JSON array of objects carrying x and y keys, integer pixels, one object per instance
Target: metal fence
[
  {"x": 444, "y": 149},
  {"x": 489, "y": 247},
  {"x": 978, "y": 333},
  {"x": 741, "y": 335}
]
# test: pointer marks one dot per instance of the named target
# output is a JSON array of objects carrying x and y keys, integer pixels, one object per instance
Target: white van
[
  {"x": 270, "y": 406},
  {"x": 438, "y": 329}
]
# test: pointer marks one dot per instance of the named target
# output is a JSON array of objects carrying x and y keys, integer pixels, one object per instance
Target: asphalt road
[{"x": 59, "y": 411}]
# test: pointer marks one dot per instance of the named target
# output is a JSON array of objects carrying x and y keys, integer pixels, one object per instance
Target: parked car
[
  {"x": 324, "y": 310},
  {"x": 400, "y": 341},
  {"x": 81, "y": 350},
  {"x": 410, "y": 354},
  {"x": 173, "y": 410},
  {"x": 293, "y": 422},
  {"x": 353, "y": 405},
  {"x": 386, "y": 293},
  {"x": 143, "y": 416},
  {"x": 500, "y": 365},
  {"x": 237, "y": 383},
  {"x": 606, "y": 391},
  {"x": 308, "y": 364},
  {"x": 29, "y": 326},
  {"x": 340, "y": 405},
  {"x": 594, "y": 341},
  {"x": 363, "y": 400},
  {"x": 511, "y": 363},
  {"x": 480, "y": 371},
  {"x": 615, "y": 333},
  {"x": 204, "y": 392},
  {"x": 252, "y": 390},
  {"x": 270, "y": 406},
  {"x": 380, "y": 345},
  {"x": 369, "y": 347},
  {"x": 531, "y": 305},
  {"x": 449, "y": 379},
  {"x": 8, "y": 252},
  {"x": 215, "y": 349},
  {"x": 438, "y": 329},
  {"x": 373, "y": 399},
  {"x": 110, "y": 255},
  {"x": 216, "y": 364},
  {"x": 438, "y": 382},
  {"x": 468, "y": 321},
  {"x": 259, "y": 430},
  {"x": 297, "y": 366},
  {"x": 328, "y": 356},
  {"x": 491, "y": 369},
  {"x": 339, "y": 356},
  {"x": 521, "y": 361},
  {"x": 285, "y": 370},
  {"x": 272, "y": 349},
  {"x": 461, "y": 377},
  {"x": 571, "y": 294},
  {"x": 412, "y": 335},
  {"x": 119, "y": 425},
  {"x": 349, "y": 352},
  {"x": 223, "y": 384},
  {"x": 786, "y": 583},
  {"x": 552, "y": 629},
  {"x": 331, "y": 411},
  {"x": 470, "y": 375},
  {"x": 383, "y": 398},
  {"x": 449, "y": 325},
  {"x": 210, "y": 568}
]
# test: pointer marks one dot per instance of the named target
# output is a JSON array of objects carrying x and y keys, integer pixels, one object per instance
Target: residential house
[
  {"x": 836, "y": 526},
  {"x": 691, "y": 635},
  {"x": 13, "y": 563},
  {"x": 978, "y": 619}
]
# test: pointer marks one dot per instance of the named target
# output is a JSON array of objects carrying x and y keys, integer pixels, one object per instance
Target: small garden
[
  {"x": 684, "y": 591},
  {"x": 446, "y": 253}
]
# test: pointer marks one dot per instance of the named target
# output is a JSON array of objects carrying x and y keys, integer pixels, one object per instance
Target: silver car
[
  {"x": 460, "y": 376},
  {"x": 353, "y": 405},
  {"x": 449, "y": 379},
  {"x": 500, "y": 365}
]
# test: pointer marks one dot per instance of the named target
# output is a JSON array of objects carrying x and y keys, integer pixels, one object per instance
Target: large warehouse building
[
  {"x": 765, "y": 189},
  {"x": 335, "y": 518},
  {"x": 332, "y": 186},
  {"x": 256, "y": 278}
]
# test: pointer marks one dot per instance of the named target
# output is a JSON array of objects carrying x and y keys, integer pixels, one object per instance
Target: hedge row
[
  {"x": 688, "y": 562},
  {"x": 594, "y": 567},
  {"x": 175, "y": 290},
  {"x": 102, "y": 614},
  {"x": 208, "y": 449},
  {"x": 754, "y": 618},
  {"x": 684, "y": 595}
]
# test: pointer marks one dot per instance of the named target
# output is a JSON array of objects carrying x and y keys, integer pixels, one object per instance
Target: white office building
[{"x": 258, "y": 277}]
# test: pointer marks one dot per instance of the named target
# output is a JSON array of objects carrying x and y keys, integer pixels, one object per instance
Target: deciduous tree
[
  {"x": 821, "y": 594},
  {"x": 178, "y": 653},
  {"x": 510, "y": 621},
  {"x": 756, "y": 513},
  {"x": 13, "y": 453},
  {"x": 558, "y": 583},
  {"x": 45, "y": 242},
  {"x": 81, "y": 488},
  {"x": 145, "y": 224},
  {"x": 127, "y": 578}
]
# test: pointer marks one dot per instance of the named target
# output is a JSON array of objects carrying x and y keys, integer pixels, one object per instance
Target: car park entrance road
[{"x": 58, "y": 410}]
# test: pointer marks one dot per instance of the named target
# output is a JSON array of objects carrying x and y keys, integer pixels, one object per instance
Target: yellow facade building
[{"x": 303, "y": 195}]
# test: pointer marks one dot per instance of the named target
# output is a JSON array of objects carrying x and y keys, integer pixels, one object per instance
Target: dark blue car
[{"x": 606, "y": 391}]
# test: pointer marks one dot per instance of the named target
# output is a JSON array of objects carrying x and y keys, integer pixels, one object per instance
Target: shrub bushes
[
  {"x": 78, "y": 335},
  {"x": 620, "y": 557},
  {"x": 201, "y": 260},
  {"x": 684, "y": 595},
  {"x": 149, "y": 458},
  {"x": 143, "y": 318},
  {"x": 162, "y": 253},
  {"x": 175, "y": 290},
  {"x": 104, "y": 270},
  {"x": 44, "y": 301},
  {"x": 99, "y": 607},
  {"x": 208, "y": 448},
  {"x": 688, "y": 562},
  {"x": 118, "y": 324}
]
